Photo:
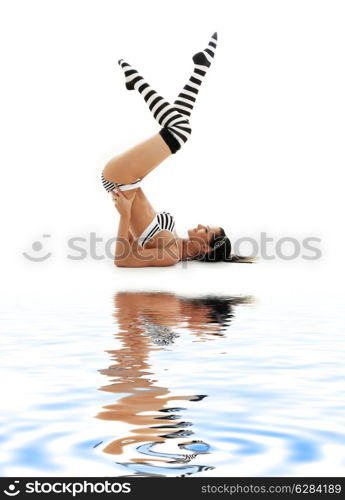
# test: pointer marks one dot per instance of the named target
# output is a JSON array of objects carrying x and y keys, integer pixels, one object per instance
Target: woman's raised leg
[
  {"x": 173, "y": 117},
  {"x": 137, "y": 161},
  {"x": 140, "y": 160}
]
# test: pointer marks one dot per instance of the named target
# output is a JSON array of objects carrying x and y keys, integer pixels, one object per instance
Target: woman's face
[{"x": 203, "y": 233}]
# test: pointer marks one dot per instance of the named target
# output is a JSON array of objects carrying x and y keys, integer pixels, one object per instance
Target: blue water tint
[
  {"x": 3, "y": 438},
  {"x": 147, "y": 449},
  {"x": 154, "y": 470},
  {"x": 88, "y": 445},
  {"x": 333, "y": 436},
  {"x": 220, "y": 381},
  {"x": 245, "y": 447},
  {"x": 59, "y": 405},
  {"x": 35, "y": 454},
  {"x": 304, "y": 451},
  {"x": 300, "y": 448},
  {"x": 197, "y": 447},
  {"x": 24, "y": 428}
]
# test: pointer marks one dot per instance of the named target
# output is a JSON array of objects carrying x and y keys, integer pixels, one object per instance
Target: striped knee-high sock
[
  {"x": 176, "y": 128},
  {"x": 202, "y": 61}
]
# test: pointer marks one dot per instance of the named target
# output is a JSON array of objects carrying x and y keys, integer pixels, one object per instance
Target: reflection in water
[{"x": 150, "y": 322}]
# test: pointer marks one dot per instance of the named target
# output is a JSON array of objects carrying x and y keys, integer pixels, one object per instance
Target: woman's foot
[
  {"x": 129, "y": 74},
  {"x": 187, "y": 97},
  {"x": 205, "y": 57},
  {"x": 168, "y": 117}
]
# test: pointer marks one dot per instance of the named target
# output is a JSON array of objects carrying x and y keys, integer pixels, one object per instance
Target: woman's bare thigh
[
  {"x": 137, "y": 162},
  {"x": 142, "y": 212}
]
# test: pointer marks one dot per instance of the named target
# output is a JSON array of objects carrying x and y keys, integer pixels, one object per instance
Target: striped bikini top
[{"x": 163, "y": 221}]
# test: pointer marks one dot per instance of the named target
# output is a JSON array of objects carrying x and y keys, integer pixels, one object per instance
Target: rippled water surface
[{"x": 163, "y": 383}]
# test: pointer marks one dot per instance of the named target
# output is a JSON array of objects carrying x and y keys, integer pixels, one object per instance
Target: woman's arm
[
  {"x": 123, "y": 242},
  {"x": 124, "y": 237},
  {"x": 128, "y": 253},
  {"x": 141, "y": 257}
]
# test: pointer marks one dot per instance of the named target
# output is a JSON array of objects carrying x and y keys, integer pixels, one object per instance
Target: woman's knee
[{"x": 116, "y": 170}]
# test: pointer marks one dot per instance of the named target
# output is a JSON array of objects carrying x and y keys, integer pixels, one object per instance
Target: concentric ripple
[{"x": 160, "y": 384}]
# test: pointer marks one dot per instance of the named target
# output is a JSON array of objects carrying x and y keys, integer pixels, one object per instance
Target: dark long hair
[
  {"x": 221, "y": 309},
  {"x": 221, "y": 251}
]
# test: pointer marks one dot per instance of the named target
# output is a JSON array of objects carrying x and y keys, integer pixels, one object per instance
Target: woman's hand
[{"x": 123, "y": 204}]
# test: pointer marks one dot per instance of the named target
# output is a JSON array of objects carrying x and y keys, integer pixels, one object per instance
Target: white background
[{"x": 267, "y": 149}]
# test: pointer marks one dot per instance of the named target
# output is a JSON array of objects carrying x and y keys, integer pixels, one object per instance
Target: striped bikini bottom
[
  {"x": 110, "y": 186},
  {"x": 162, "y": 221}
]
